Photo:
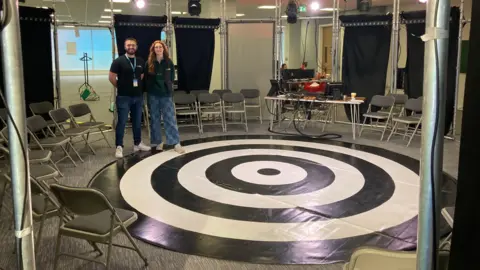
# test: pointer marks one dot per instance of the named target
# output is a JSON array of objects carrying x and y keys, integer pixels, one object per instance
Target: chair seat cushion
[
  {"x": 186, "y": 112},
  {"x": 406, "y": 120},
  {"x": 100, "y": 223},
  {"x": 92, "y": 124},
  {"x": 212, "y": 111},
  {"x": 42, "y": 172},
  {"x": 39, "y": 155},
  {"x": 54, "y": 141},
  {"x": 76, "y": 131},
  {"x": 376, "y": 115}
]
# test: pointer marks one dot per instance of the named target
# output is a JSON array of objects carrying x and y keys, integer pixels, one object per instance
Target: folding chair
[
  {"x": 180, "y": 107},
  {"x": 42, "y": 109},
  {"x": 382, "y": 102},
  {"x": 34, "y": 156},
  {"x": 220, "y": 92},
  {"x": 234, "y": 103},
  {"x": 82, "y": 109},
  {"x": 44, "y": 206},
  {"x": 448, "y": 214},
  {"x": 415, "y": 106},
  {"x": 95, "y": 220},
  {"x": 252, "y": 100},
  {"x": 210, "y": 105},
  {"x": 36, "y": 124},
  {"x": 190, "y": 101},
  {"x": 41, "y": 173},
  {"x": 400, "y": 100},
  {"x": 61, "y": 117}
]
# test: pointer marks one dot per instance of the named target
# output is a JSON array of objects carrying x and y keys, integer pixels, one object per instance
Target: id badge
[{"x": 135, "y": 83}]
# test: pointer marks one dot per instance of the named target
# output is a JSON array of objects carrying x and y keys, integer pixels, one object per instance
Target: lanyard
[{"x": 134, "y": 65}]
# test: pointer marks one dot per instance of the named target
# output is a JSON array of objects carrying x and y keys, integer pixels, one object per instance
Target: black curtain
[
  {"x": 36, "y": 38},
  {"x": 415, "y": 59},
  {"x": 366, "y": 52},
  {"x": 145, "y": 29},
  {"x": 195, "y": 40}
]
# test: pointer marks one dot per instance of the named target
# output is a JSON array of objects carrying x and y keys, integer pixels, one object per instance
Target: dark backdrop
[
  {"x": 37, "y": 56},
  {"x": 145, "y": 29},
  {"x": 466, "y": 233},
  {"x": 415, "y": 60},
  {"x": 366, "y": 52},
  {"x": 195, "y": 40}
]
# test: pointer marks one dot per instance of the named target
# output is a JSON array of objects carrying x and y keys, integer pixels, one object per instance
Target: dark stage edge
[{"x": 378, "y": 185}]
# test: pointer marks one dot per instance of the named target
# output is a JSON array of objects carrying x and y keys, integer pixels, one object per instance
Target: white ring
[
  {"x": 348, "y": 181},
  {"x": 401, "y": 207},
  {"x": 249, "y": 172}
]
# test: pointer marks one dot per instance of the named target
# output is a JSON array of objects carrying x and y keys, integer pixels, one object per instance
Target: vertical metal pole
[
  {"x": 334, "y": 41},
  {"x": 169, "y": 26},
  {"x": 457, "y": 78},
  {"x": 433, "y": 125},
  {"x": 395, "y": 37},
  {"x": 15, "y": 97},
  {"x": 114, "y": 92},
  {"x": 278, "y": 39},
  {"x": 223, "y": 44},
  {"x": 57, "y": 58}
]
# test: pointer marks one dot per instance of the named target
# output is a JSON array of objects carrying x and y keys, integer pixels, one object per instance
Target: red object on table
[{"x": 314, "y": 89}]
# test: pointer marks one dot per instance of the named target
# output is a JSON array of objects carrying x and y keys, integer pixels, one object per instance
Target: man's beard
[{"x": 131, "y": 51}]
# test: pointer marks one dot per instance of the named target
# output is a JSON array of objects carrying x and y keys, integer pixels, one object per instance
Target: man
[{"x": 126, "y": 74}]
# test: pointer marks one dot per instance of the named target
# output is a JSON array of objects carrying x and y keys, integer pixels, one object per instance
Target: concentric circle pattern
[{"x": 269, "y": 200}]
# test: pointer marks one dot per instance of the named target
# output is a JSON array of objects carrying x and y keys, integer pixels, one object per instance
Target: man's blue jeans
[{"x": 134, "y": 105}]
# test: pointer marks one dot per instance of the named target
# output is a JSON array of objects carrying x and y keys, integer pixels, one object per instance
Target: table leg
[
  {"x": 273, "y": 105},
  {"x": 353, "y": 117}
]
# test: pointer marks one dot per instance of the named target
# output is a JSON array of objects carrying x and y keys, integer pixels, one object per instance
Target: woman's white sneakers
[
  {"x": 142, "y": 147},
  {"x": 179, "y": 149}
]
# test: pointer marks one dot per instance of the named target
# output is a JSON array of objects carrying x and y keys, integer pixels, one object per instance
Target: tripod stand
[{"x": 86, "y": 91}]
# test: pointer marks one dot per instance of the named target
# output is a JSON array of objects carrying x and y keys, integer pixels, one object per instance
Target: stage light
[
  {"x": 315, "y": 6},
  {"x": 194, "y": 7},
  {"x": 422, "y": 1},
  {"x": 140, "y": 3},
  {"x": 292, "y": 11}
]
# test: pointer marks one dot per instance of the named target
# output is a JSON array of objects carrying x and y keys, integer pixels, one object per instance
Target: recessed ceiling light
[
  {"x": 121, "y": 1},
  {"x": 240, "y": 14},
  {"x": 267, "y": 7},
  {"x": 104, "y": 21},
  {"x": 176, "y": 12},
  {"x": 106, "y": 17},
  {"x": 114, "y": 10}
]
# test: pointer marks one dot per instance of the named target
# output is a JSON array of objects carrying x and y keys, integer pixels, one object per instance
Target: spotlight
[
  {"x": 291, "y": 11},
  {"x": 194, "y": 7},
  {"x": 422, "y": 1},
  {"x": 315, "y": 6},
  {"x": 140, "y": 3}
]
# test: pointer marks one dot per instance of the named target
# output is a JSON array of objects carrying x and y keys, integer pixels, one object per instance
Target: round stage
[{"x": 270, "y": 199}]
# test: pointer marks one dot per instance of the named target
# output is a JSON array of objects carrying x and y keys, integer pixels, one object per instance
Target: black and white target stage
[{"x": 270, "y": 199}]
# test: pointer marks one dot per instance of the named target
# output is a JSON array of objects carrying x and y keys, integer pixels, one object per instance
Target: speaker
[
  {"x": 194, "y": 7},
  {"x": 364, "y": 5}
]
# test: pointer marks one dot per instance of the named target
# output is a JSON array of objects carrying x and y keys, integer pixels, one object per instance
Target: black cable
[{"x": 432, "y": 154}]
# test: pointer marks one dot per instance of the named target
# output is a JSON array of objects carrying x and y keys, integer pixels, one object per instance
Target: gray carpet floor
[{"x": 160, "y": 258}]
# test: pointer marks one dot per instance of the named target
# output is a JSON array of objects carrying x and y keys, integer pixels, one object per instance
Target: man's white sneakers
[
  {"x": 119, "y": 152},
  {"x": 141, "y": 147}
]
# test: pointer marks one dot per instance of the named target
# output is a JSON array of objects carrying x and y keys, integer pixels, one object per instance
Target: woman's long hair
[{"x": 152, "y": 57}]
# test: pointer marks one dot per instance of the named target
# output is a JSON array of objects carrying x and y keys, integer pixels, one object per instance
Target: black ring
[
  {"x": 379, "y": 185},
  {"x": 318, "y": 176}
]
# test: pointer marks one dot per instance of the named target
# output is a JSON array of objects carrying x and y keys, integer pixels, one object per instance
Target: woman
[{"x": 159, "y": 77}]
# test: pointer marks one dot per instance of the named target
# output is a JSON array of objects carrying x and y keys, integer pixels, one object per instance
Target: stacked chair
[
  {"x": 410, "y": 117},
  {"x": 222, "y": 104}
]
